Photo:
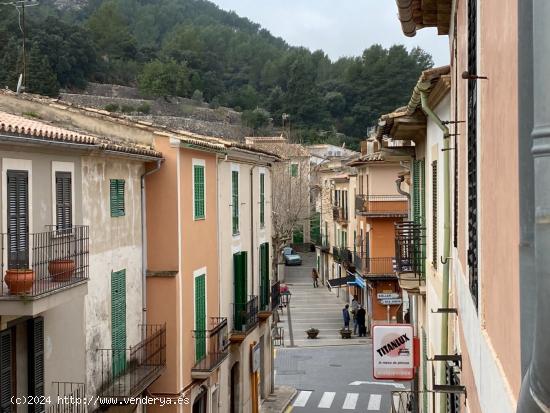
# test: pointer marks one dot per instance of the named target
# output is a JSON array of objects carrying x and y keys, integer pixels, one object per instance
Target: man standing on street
[
  {"x": 361, "y": 316},
  {"x": 345, "y": 314},
  {"x": 354, "y": 309},
  {"x": 315, "y": 277}
]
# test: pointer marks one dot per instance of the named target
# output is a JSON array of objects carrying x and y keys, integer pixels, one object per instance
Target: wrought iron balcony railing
[
  {"x": 410, "y": 243},
  {"x": 69, "y": 397},
  {"x": 35, "y": 264},
  {"x": 374, "y": 266},
  {"x": 211, "y": 347},
  {"x": 382, "y": 205},
  {"x": 275, "y": 295},
  {"x": 342, "y": 255},
  {"x": 128, "y": 372},
  {"x": 340, "y": 214},
  {"x": 245, "y": 315}
]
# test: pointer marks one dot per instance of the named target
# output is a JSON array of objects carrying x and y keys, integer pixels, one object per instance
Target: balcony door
[
  {"x": 200, "y": 317},
  {"x": 240, "y": 289},
  {"x": 118, "y": 321},
  {"x": 18, "y": 218}
]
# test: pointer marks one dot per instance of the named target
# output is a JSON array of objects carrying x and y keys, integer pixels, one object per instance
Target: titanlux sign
[{"x": 393, "y": 357}]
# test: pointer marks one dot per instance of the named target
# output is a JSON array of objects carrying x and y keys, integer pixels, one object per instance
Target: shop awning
[{"x": 339, "y": 282}]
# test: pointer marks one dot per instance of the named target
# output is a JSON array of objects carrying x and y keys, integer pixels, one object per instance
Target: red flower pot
[
  {"x": 61, "y": 270},
  {"x": 19, "y": 281}
]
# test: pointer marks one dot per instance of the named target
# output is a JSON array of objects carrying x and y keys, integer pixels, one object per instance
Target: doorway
[{"x": 235, "y": 388}]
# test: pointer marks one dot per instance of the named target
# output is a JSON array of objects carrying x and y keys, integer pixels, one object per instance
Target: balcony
[
  {"x": 374, "y": 267},
  {"x": 128, "y": 372},
  {"x": 410, "y": 247},
  {"x": 212, "y": 348},
  {"x": 343, "y": 256},
  {"x": 67, "y": 395},
  {"x": 39, "y": 265},
  {"x": 245, "y": 318},
  {"x": 275, "y": 295},
  {"x": 340, "y": 215},
  {"x": 382, "y": 205}
]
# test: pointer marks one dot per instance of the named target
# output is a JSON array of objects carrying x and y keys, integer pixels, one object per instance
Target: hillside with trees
[{"x": 193, "y": 49}]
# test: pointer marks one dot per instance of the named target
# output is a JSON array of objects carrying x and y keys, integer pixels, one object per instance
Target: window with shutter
[
  {"x": 472, "y": 152},
  {"x": 198, "y": 191},
  {"x": 118, "y": 321},
  {"x": 235, "y": 201},
  {"x": 200, "y": 317},
  {"x": 294, "y": 170},
  {"x": 240, "y": 288},
  {"x": 262, "y": 200},
  {"x": 264, "y": 275},
  {"x": 117, "y": 198},
  {"x": 434, "y": 214},
  {"x": 35, "y": 333},
  {"x": 63, "y": 201},
  {"x": 18, "y": 219},
  {"x": 6, "y": 370}
]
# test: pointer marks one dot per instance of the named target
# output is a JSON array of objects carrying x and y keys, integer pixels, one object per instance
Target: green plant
[
  {"x": 144, "y": 108},
  {"x": 32, "y": 115},
  {"x": 127, "y": 109},
  {"x": 111, "y": 107}
]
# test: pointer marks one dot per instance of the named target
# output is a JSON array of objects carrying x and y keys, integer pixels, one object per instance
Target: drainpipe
[
  {"x": 446, "y": 230},
  {"x": 144, "y": 243},
  {"x": 535, "y": 390}
]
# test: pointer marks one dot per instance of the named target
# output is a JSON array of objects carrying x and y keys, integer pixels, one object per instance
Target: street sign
[
  {"x": 255, "y": 355},
  {"x": 382, "y": 296},
  {"x": 391, "y": 301},
  {"x": 393, "y": 352}
]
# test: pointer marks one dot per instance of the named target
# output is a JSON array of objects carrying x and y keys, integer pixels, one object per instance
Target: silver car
[{"x": 291, "y": 257}]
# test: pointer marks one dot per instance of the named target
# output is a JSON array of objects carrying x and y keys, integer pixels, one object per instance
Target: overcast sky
[{"x": 339, "y": 27}]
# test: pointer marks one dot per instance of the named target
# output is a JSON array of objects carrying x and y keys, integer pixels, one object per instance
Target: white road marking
[
  {"x": 374, "y": 402},
  {"x": 326, "y": 400},
  {"x": 302, "y": 399},
  {"x": 380, "y": 383},
  {"x": 351, "y": 401}
]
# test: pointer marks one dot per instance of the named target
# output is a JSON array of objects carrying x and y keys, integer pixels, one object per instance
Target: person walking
[
  {"x": 361, "y": 318},
  {"x": 345, "y": 314},
  {"x": 315, "y": 277},
  {"x": 354, "y": 309}
]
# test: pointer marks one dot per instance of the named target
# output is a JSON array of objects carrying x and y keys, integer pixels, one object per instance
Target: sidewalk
[{"x": 278, "y": 401}]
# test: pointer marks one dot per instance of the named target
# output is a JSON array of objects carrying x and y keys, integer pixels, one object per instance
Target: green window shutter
[
  {"x": 262, "y": 200},
  {"x": 200, "y": 317},
  {"x": 117, "y": 197},
  {"x": 240, "y": 287},
  {"x": 118, "y": 321},
  {"x": 294, "y": 170},
  {"x": 198, "y": 174},
  {"x": 63, "y": 201},
  {"x": 235, "y": 201},
  {"x": 264, "y": 275},
  {"x": 434, "y": 214},
  {"x": 416, "y": 191},
  {"x": 6, "y": 361},
  {"x": 35, "y": 359}
]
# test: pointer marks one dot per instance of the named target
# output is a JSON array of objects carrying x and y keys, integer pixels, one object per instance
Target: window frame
[
  {"x": 262, "y": 199},
  {"x": 235, "y": 207},
  {"x": 199, "y": 163}
]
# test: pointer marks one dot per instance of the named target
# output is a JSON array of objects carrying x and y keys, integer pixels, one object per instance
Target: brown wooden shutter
[
  {"x": 35, "y": 334},
  {"x": 63, "y": 202}
]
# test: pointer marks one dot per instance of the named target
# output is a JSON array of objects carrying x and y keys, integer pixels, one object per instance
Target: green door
[
  {"x": 264, "y": 275},
  {"x": 118, "y": 321},
  {"x": 200, "y": 317},
  {"x": 240, "y": 289}
]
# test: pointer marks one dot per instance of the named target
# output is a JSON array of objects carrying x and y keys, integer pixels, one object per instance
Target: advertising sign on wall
[{"x": 393, "y": 352}]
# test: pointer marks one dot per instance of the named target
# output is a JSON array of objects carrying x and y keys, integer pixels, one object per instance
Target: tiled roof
[
  {"x": 21, "y": 126},
  {"x": 283, "y": 149}
]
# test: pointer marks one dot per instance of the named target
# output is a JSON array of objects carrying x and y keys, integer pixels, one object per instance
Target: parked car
[{"x": 291, "y": 257}]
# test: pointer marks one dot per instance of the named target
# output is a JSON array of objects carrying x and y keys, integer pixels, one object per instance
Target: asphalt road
[
  {"x": 333, "y": 378},
  {"x": 323, "y": 370}
]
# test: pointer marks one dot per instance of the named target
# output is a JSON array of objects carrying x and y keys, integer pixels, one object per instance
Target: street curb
[{"x": 285, "y": 406}]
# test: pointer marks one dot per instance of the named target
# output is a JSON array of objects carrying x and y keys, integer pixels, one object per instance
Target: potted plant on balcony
[
  {"x": 19, "y": 280},
  {"x": 345, "y": 333},
  {"x": 61, "y": 269},
  {"x": 312, "y": 333}
]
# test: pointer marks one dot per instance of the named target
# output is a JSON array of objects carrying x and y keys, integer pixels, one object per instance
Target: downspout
[
  {"x": 144, "y": 243},
  {"x": 398, "y": 183},
  {"x": 423, "y": 89},
  {"x": 535, "y": 389}
]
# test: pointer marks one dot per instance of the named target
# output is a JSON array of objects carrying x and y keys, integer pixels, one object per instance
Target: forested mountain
[{"x": 191, "y": 48}]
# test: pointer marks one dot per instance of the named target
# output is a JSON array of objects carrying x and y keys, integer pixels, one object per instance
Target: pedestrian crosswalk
[{"x": 330, "y": 400}]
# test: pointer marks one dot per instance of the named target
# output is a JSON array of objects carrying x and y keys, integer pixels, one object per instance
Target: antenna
[{"x": 20, "y": 7}]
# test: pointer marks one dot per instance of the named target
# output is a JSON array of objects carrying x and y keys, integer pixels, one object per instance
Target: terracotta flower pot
[
  {"x": 19, "y": 281},
  {"x": 312, "y": 333},
  {"x": 345, "y": 333},
  {"x": 61, "y": 270}
]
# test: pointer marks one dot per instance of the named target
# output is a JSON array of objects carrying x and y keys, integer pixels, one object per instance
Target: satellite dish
[{"x": 20, "y": 83}]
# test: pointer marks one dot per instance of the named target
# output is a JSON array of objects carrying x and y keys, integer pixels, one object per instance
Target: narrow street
[{"x": 329, "y": 373}]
